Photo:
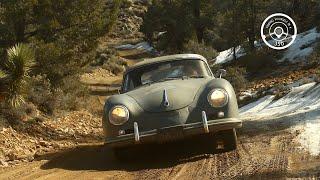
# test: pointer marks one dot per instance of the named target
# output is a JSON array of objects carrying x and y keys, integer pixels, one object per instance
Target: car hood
[{"x": 179, "y": 93}]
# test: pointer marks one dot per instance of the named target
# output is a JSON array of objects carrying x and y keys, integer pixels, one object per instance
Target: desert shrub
[
  {"x": 3, "y": 124},
  {"x": 71, "y": 95},
  {"x": 41, "y": 94},
  {"x": 236, "y": 76},
  {"x": 200, "y": 48},
  {"x": 259, "y": 60},
  {"x": 215, "y": 68},
  {"x": 126, "y": 3},
  {"x": 314, "y": 58},
  {"x": 103, "y": 56},
  {"x": 115, "y": 65},
  {"x": 114, "y": 68}
]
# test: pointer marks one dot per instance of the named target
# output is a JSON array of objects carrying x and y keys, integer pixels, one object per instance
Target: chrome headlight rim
[
  {"x": 126, "y": 118},
  {"x": 225, "y": 94}
]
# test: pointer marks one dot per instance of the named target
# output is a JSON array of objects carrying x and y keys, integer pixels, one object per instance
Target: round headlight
[
  {"x": 218, "y": 98},
  {"x": 118, "y": 115}
]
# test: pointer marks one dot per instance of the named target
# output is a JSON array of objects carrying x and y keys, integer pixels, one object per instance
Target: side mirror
[
  {"x": 120, "y": 90},
  {"x": 221, "y": 73}
]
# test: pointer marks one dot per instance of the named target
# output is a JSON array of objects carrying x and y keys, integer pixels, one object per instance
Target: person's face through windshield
[{"x": 190, "y": 70}]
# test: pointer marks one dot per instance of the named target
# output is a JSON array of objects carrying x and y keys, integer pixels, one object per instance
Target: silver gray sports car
[{"x": 171, "y": 98}]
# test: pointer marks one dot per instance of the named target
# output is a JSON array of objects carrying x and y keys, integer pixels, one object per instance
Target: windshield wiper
[{"x": 196, "y": 76}]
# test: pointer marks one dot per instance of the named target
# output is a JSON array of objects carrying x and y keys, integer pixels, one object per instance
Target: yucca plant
[{"x": 15, "y": 74}]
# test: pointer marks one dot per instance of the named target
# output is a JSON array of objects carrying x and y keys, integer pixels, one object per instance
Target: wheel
[{"x": 229, "y": 138}]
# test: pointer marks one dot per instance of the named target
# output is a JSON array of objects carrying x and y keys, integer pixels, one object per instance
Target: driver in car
[{"x": 190, "y": 71}]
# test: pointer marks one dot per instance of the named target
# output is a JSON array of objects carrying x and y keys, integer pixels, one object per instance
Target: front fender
[
  {"x": 201, "y": 103},
  {"x": 121, "y": 99}
]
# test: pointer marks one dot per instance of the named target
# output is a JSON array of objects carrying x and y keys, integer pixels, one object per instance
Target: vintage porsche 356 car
[{"x": 170, "y": 98}]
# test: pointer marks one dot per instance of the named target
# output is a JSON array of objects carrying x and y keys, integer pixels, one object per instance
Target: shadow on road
[{"x": 101, "y": 158}]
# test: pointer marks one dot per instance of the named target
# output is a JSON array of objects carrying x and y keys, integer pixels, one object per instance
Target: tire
[{"x": 229, "y": 138}]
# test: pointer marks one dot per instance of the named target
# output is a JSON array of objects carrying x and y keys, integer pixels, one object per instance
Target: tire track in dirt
[
  {"x": 176, "y": 171},
  {"x": 197, "y": 169}
]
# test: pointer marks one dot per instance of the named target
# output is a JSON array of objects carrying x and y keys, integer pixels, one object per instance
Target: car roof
[{"x": 167, "y": 58}]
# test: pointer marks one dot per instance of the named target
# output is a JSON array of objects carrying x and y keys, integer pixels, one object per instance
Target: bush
[
  {"x": 314, "y": 61},
  {"x": 71, "y": 95},
  {"x": 236, "y": 76},
  {"x": 41, "y": 94},
  {"x": 115, "y": 65},
  {"x": 315, "y": 56},
  {"x": 259, "y": 60},
  {"x": 200, "y": 48},
  {"x": 215, "y": 68}
]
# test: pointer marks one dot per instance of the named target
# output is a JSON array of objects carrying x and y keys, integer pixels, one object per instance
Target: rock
[
  {"x": 3, "y": 163},
  {"x": 12, "y": 156},
  {"x": 56, "y": 145},
  {"x": 44, "y": 143},
  {"x": 104, "y": 57}
]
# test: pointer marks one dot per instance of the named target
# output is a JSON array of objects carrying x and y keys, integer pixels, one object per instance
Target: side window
[
  {"x": 125, "y": 87},
  {"x": 130, "y": 84}
]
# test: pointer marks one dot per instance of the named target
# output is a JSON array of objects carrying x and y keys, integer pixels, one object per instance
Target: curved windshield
[{"x": 165, "y": 71}]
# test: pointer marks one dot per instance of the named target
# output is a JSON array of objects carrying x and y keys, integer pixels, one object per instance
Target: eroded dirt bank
[{"x": 267, "y": 149}]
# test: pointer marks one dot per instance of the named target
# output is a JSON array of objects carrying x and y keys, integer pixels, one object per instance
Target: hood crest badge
[{"x": 165, "y": 99}]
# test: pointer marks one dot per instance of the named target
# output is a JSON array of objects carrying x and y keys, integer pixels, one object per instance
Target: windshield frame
[{"x": 126, "y": 74}]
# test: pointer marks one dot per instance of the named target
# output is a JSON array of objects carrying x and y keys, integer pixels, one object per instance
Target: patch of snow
[
  {"x": 302, "y": 46},
  {"x": 142, "y": 46},
  {"x": 227, "y": 55},
  {"x": 301, "y": 105},
  {"x": 257, "y": 106},
  {"x": 297, "y": 99},
  {"x": 162, "y": 33}
]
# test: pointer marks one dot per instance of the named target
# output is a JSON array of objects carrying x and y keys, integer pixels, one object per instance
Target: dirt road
[
  {"x": 269, "y": 148},
  {"x": 266, "y": 150}
]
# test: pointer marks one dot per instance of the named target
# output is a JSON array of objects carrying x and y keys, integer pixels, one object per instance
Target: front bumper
[{"x": 173, "y": 132}]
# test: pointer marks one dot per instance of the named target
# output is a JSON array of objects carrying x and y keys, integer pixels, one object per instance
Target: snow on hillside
[
  {"x": 299, "y": 108},
  {"x": 227, "y": 55},
  {"x": 298, "y": 51},
  {"x": 142, "y": 46},
  {"x": 302, "y": 47}
]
